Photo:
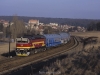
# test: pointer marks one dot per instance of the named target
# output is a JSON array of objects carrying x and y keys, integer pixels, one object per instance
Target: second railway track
[{"x": 17, "y": 62}]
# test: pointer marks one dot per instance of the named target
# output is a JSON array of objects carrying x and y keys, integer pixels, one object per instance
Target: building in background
[{"x": 5, "y": 23}]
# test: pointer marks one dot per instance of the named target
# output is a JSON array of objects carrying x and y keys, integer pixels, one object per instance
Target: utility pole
[{"x": 9, "y": 39}]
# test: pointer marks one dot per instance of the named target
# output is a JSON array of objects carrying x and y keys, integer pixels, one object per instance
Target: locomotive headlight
[{"x": 18, "y": 49}]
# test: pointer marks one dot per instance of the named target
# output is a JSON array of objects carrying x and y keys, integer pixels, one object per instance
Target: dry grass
[
  {"x": 77, "y": 64},
  {"x": 5, "y": 47},
  {"x": 86, "y": 34},
  {"x": 89, "y": 46},
  {"x": 89, "y": 34}
]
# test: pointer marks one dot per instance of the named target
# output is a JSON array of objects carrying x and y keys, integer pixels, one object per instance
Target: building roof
[{"x": 33, "y": 21}]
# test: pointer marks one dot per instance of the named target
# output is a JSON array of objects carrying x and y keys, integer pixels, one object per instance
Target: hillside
[{"x": 74, "y": 22}]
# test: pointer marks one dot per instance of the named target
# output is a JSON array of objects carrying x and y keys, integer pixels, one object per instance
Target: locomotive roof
[
  {"x": 52, "y": 35},
  {"x": 33, "y": 36}
]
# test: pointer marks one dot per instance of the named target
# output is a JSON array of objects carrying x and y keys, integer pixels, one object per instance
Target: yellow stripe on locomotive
[
  {"x": 25, "y": 45},
  {"x": 38, "y": 44}
]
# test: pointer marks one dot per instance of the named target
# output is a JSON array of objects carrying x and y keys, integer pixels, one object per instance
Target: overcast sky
[{"x": 84, "y": 9}]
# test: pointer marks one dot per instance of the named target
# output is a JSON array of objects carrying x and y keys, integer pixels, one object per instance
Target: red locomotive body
[{"x": 26, "y": 44}]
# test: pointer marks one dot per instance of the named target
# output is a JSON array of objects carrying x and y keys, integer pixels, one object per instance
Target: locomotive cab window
[{"x": 22, "y": 40}]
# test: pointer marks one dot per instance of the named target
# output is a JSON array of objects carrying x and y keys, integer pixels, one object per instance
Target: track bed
[{"x": 17, "y": 62}]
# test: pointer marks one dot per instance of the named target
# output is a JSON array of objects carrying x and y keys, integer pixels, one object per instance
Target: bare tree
[{"x": 18, "y": 27}]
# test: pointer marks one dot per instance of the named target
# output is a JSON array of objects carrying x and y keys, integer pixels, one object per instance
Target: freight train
[{"x": 38, "y": 43}]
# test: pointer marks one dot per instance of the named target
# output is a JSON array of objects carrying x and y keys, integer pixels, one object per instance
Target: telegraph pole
[{"x": 9, "y": 39}]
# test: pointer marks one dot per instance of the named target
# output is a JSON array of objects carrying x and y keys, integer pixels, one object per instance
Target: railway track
[{"x": 17, "y": 62}]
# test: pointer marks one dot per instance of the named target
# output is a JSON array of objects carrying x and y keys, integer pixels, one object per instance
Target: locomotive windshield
[{"x": 22, "y": 40}]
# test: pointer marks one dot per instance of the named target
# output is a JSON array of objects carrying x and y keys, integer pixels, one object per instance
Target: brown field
[
  {"x": 89, "y": 34},
  {"x": 4, "y": 48},
  {"x": 86, "y": 34}
]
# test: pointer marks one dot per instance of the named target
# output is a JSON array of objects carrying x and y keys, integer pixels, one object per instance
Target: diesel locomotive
[{"x": 34, "y": 43}]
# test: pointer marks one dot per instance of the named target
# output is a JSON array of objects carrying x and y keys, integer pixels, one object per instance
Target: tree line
[
  {"x": 61, "y": 21},
  {"x": 93, "y": 26}
]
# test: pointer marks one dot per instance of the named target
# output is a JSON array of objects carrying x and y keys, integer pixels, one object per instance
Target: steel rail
[{"x": 8, "y": 67}]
